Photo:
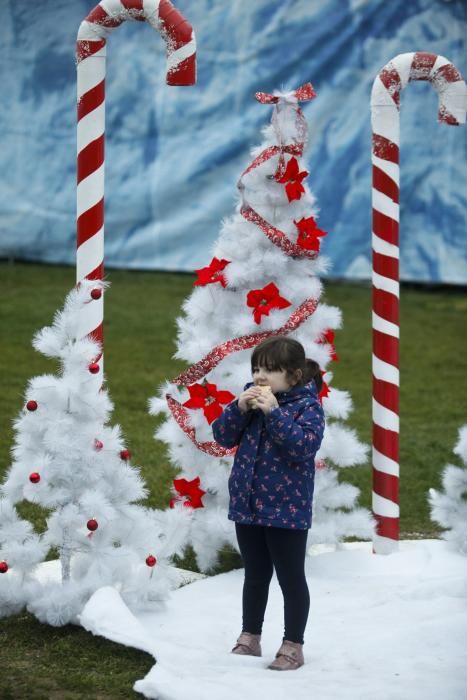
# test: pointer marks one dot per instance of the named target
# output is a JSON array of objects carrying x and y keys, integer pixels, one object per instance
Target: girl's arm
[
  {"x": 228, "y": 428},
  {"x": 300, "y": 439}
]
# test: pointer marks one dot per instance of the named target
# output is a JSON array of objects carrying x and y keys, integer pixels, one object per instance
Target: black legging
[{"x": 265, "y": 548}]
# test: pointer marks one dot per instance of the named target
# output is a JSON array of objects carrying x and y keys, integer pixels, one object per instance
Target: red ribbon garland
[
  {"x": 212, "y": 359},
  {"x": 303, "y": 94},
  {"x": 245, "y": 342},
  {"x": 293, "y": 150},
  {"x": 277, "y": 236},
  {"x": 183, "y": 420}
]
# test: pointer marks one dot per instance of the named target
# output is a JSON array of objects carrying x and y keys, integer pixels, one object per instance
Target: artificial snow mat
[{"x": 380, "y": 626}]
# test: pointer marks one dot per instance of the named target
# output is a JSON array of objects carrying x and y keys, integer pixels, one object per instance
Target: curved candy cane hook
[{"x": 91, "y": 66}]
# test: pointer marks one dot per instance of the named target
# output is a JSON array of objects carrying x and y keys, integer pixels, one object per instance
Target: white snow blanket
[{"x": 393, "y": 627}]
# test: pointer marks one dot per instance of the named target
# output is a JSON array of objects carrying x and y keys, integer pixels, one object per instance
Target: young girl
[{"x": 271, "y": 487}]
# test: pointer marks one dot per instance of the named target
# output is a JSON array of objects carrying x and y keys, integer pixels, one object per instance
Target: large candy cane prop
[
  {"x": 91, "y": 54},
  {"x": 385, "y": 101}
]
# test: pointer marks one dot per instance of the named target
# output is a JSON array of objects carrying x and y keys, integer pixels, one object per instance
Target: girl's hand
[
  {"x": 252, "y": 393},
  {"x": 266, "y": 402}
]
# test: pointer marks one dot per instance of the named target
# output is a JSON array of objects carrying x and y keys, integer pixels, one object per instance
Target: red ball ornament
[
  {"x": 96, "y": 293},
  {"x": 98, "y": 444},
  {"x": 125, "y": 454},
  {"x": 34, "y": 478},
  {"x": 31, "y": 405},
  {"x": 151, "y": 560},
  {"x": 3, "y": 567},
  {"x": 92, "y": 524},
  {"x": 93, "y": 368}
]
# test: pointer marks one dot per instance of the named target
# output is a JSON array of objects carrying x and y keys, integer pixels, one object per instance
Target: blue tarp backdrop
[{"x": 173, "y": 155}]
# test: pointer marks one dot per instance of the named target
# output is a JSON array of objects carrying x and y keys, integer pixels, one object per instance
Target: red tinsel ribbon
[
  {"x": 183, "y": 420},
  {"x": 212, "y": 359},
  {"x": 245, "y": 342},
  {"x": 277, "y": 236},
  {"x": 293, "y": 150},
  {"x": 303, "y": 93}
]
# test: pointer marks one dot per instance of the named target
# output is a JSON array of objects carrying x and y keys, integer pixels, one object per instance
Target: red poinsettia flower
[
  {"x": 324, "y": 389},
  {"x": 188, "y": 490},
  {"x": 212, "y": 273},
  {"x": 309, "y": 234},
  {"x": 328, "y": 337},
  {"x": 207, "y": 397},
  {"x": 292, "y": 179},
  {"x": 265, "y": 299}
]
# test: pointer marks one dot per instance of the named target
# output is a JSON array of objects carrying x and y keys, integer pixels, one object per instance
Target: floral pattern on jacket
[{"x": 272, "y": 478}]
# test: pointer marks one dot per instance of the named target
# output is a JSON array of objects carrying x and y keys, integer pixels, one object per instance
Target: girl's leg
[
  {"x": 258, "y": 574},
  {"x": 287, "y": 549}
]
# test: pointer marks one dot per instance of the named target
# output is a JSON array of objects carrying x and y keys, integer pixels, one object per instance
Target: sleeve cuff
[{"x": 274, "y": 413}]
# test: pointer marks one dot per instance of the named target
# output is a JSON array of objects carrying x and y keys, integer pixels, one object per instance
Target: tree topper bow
[{"x": 282, "y": 100}]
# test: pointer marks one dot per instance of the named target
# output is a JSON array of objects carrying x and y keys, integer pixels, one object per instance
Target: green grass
[
  {"x": 433, "y": 380},
  {"x": 40, "y": 662},
  {"x": 140, "y": 314}
]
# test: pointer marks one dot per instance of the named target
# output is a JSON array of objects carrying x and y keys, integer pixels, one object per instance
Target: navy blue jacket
[{"x": 272, "y": 477}]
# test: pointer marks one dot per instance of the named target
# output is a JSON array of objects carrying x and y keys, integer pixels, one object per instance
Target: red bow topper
[{"x": 302, "y": 94}]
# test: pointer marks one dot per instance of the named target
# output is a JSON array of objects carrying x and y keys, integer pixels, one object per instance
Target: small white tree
[
  {"x": 449, "y": 508},
  {"x": 263, "y": 279},
  {"x": 67, "y": 459}
]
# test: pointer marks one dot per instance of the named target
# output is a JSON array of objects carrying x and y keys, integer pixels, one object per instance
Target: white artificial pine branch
[{"x": 449, "y": 507}]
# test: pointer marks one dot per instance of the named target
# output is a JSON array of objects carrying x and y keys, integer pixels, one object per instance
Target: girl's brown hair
[{"x": 283, "y": 353}]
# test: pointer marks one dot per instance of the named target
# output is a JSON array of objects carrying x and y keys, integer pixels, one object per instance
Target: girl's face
[{"x": 276, "y": 379}]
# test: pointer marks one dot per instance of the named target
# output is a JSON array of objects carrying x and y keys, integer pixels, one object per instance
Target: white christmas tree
[
  {"x": 449, "y": 508},
  {"x": 68, "y": 460},
  {"x": 263, "y": 280}
]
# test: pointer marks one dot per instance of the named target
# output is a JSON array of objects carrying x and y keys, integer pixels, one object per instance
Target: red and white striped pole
[
  {"x": 385, "y": 103},
  {"x": 91, "y": 67}
]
